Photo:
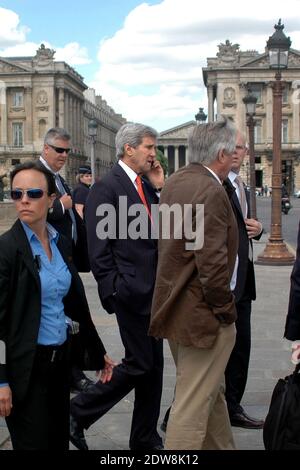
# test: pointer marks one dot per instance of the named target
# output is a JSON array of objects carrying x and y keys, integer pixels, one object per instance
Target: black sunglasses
[
  {"x": 34, "y": 193},
  {"x": 59, "y": 149}
]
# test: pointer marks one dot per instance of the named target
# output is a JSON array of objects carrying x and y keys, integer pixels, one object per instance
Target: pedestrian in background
[
  {"x": 82, "y": 188},
  {"x": 236, "y": 372},
  {"x": 40, "y": 295}
]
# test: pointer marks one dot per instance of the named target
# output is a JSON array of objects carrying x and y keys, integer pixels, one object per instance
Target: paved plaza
[{"x": 270, "y": 359}]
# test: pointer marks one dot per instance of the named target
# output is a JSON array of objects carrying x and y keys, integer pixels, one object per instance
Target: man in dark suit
[
  {"x": 236, "y": 372},
  {"x": 63, "y": 217},
  {"x": 123, "y": 258}
]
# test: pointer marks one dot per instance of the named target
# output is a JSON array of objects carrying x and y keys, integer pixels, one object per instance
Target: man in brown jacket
[{"x": 193, "y": 305}]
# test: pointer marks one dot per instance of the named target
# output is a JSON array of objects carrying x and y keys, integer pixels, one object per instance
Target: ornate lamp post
[
  {"x": 92, "y": 130},
  {"x": 200, "y": 116},
  {"x": 276, "y": 252},
  {"x": 250, "y": 103}
]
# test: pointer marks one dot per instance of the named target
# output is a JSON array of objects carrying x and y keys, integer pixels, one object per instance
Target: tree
[{"x": 162, "y": 160}]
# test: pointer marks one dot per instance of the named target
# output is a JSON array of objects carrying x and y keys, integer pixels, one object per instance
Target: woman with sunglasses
[{"x": 42, "y": 301}]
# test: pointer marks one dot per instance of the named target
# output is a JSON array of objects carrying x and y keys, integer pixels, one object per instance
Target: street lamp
[
  {"x": 276, "y": 252},
  {"x": 250, "y": 103},
  {"x": 92, "y": 130},
  {"x": 200, "y": 116}
]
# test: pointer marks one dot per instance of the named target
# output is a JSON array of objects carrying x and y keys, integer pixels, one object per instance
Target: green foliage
[{"x": 162, "y": 160}]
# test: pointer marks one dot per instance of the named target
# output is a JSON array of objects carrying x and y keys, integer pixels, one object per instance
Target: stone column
[
  {"x": 220, "y": 91},
  {"x": 269, "y": 114},
  {"x": 3, "y": 112},
  {"x": 81, "y": 129},
  {"x": 295, "y": 105},
  {"x": 186, "y": 155},
  {"x": 78, "y": 124},
  {"x": 67, "y": 113},
  {"x": 210, "y": 95},
  {"x": 176, "y": 157},
  {"x": 73, "y": 121},
  {"x": 28, "y": 113},
  {"x": 61, "y": 107}
]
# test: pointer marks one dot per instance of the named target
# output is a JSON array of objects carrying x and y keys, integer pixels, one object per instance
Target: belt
[{"x": 51, "y": 353}]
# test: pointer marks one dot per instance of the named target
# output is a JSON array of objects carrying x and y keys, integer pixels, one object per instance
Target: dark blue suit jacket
[
  {"x": 124, "y": 268},
  {"x": 245, "y": 282}
]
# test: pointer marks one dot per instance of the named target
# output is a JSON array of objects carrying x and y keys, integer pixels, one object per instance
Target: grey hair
[
  {"x": 56, "y": 133},
  {"x": 206, "y": 140},
  {"x": 132, "y": 133}
]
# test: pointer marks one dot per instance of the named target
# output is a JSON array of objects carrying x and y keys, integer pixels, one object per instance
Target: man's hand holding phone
[{"x": 156, "y": 175}]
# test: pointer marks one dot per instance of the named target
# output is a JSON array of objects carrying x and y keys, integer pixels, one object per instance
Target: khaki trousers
[{"x": 199, "y": 418}]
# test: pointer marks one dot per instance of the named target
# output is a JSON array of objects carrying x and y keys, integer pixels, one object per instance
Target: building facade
[
  {"x": 228, "y": 76},
  {"x": 37, "y": 93},
  {"x": 173, "y": 144}
]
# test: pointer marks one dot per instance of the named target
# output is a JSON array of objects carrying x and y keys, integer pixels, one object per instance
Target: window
[
  {"x": 257, "y": 132},
  {"x": 18, "y": 99},
  {"x": 285, "y": 131},
  {"x": 256, "y": 90},
  {"x": 285, "y": 95},
  {"x": 17, "y": 128}
]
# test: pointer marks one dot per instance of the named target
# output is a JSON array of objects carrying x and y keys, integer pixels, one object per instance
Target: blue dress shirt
[{"x": 55, "y": 280}]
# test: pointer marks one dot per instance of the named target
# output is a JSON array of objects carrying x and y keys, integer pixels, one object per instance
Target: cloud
[
  {"x": 71, "y": 53},
  {"x": 11, "y": 32},
  {"x": 13, "y": 42},
  {"x": 151, "y": 69}
]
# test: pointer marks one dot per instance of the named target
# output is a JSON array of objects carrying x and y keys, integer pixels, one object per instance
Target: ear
[
  {"x": 221, "y": 156},
  {"x": 128, "y": 150}
]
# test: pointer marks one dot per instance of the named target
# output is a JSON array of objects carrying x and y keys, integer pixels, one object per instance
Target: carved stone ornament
[
  {"x": 42, "y": 97},
  {"x": 228, "y": 51},
  {"x": 9, "y": 68},
  {"x": 229, "y": 95},
  {"x": 44, "y": 56},
  {"x": 294, "y": 60}
]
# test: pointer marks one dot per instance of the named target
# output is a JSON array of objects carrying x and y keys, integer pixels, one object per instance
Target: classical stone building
[
  {"x": 108, "y": 125},
  {"x": 228, "y": 77},
  {"x": 37, "y": 93},
  {"x": 173, "y": 144}
]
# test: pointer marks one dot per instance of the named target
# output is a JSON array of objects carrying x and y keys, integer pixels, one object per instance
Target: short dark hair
[{"x": 37, "y": 166}]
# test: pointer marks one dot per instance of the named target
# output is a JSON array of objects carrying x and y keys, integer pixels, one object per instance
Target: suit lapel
[
  {"x": 126, "y": 183},
  {"x": 25, "y": 250}
]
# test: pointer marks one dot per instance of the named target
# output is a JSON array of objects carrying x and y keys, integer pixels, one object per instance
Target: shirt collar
[
  {"x": 213, "y": 173},
  {"x": 232, "y": 175},
  {"x": 129, "y": 171},
  {"x": 52, "y": 233},
  {"x": 47, "y": 166}
]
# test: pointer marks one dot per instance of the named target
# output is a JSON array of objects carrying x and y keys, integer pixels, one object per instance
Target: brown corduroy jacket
[{"x": 192, "y": 295}]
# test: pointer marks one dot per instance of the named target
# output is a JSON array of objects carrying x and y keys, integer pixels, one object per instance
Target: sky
[{"x": 144, "y": 58}]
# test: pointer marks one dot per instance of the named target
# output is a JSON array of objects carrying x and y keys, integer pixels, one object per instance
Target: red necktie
[{"x": 139, "y": 184}]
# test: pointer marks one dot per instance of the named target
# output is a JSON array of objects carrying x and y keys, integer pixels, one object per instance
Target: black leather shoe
[
  {"x": 242, "y": 420},
  {"x": 76, "y": 435},
  {"x": 82, "y": 385}
]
